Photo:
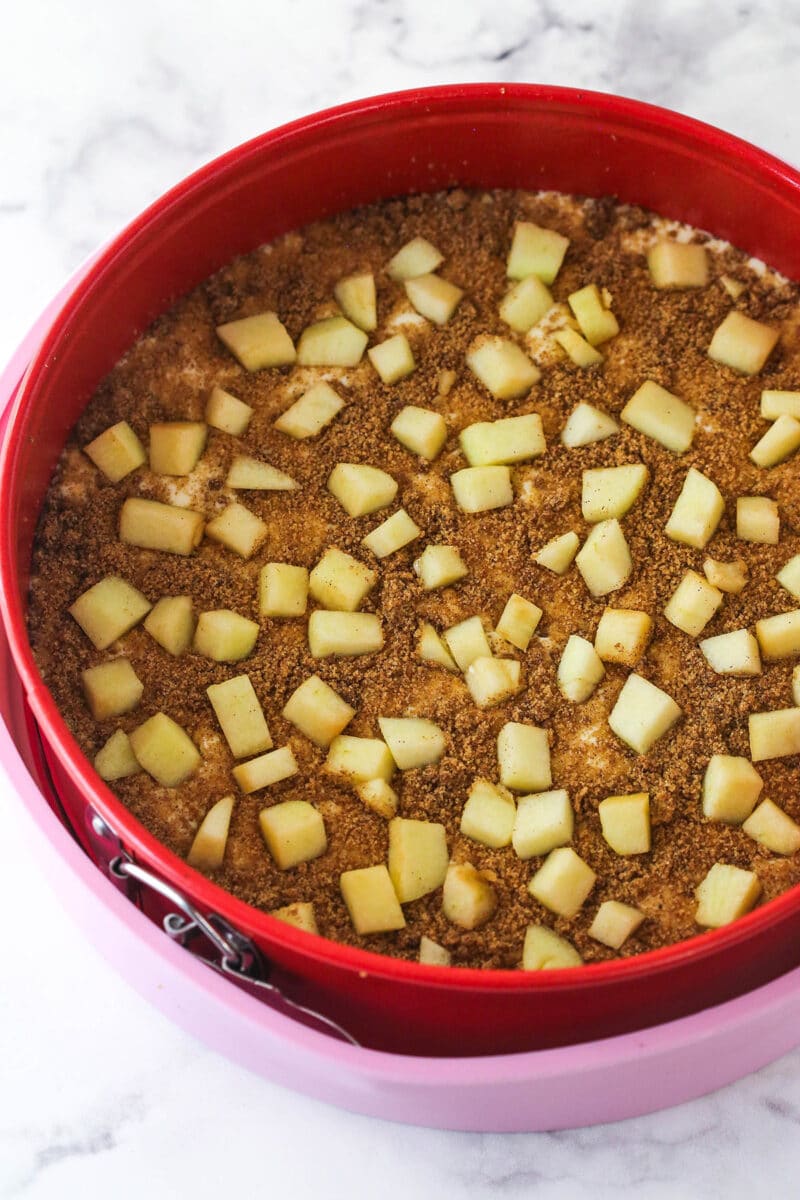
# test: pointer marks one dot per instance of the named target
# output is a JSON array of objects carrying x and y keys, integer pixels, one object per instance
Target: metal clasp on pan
[{"x": 238, "y": 957}]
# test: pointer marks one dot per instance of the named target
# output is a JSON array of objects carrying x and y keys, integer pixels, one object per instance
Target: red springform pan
[{"x": 484, "y": 136}]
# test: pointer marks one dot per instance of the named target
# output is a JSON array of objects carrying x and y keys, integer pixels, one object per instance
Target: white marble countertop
[{"x": 103, "y": 105}]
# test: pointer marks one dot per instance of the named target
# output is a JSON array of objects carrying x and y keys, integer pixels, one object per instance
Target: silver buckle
[{"x": 238, "y": 958}]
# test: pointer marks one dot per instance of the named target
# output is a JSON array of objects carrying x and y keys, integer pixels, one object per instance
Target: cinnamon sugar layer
[{"x": 664, "y": 336}]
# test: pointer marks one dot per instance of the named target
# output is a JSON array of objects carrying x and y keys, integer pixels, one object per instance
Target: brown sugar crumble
[{"x": 664, "y": 336}]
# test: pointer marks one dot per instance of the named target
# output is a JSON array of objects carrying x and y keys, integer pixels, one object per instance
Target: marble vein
[{"x": 49, "y": 1149}]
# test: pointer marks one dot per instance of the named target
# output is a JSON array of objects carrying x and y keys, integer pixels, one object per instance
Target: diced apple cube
[
  {"x": 418, "y": 857},
  {"x": 563, "y": 882},
  {"x": 728, "y": 577},
  {"x": 543, "y": 822},
  {"x": 614, "y": 922},
  {"x": 433, "y": 297},
  {"x": 693, "y": 603},
  {"x": 108, "y": 609},
  {"x": 251, "y": 474},
  {"x": 238, "y": 529},
  {"x": 518, "y": 621},
  {"x": 343, "y": 633},
  {"x": 697, "y": 511},
  {"x": 240, "y": 716},
  {"x": 742, "y": 344},
  {"x": 488, "y": 815},
  {"x": 224, "y": 635},
  {"x": 523, "y": 755},
  {"x": 479, "y": 489},
  {"x": 294, "y": 832},
  {"x": 339, "y": 581},
  {"x": 677, "y": 265},
  {"x": 544, "y": 950},
  {"x": 625, "y": 822},
  {"x": 282, "y": 590},
  {"x": 579, "y": 670},
  {"x": 371, "y": 900},
  {"x": 611, "y": 491},
  {"x": 774, "y": 734},
  {"x": 420, "y": 430},
  {"x": 535, "y": 251},
  {"x": 659, "y": 414},
  {"x": 227, "y": 412},
  {"x": 733, "y": 287},
  {"x": 112, "y": 688},
  {"x": 445, "y": 381},
  {"x": 596, "y": 320},
  {"x": 207, "y": 852},
  {"x": 604, "y": 560},
  {"x": 300, "y": 915},
  {"x": 311, "y": 412},
  {"x": 176, "y": 446},
  {"x": 258, "y": 342},
  {"x": 432, "y": 954},
  {"x": 758, "y": 520},
  {"x": 355, "y": 295},
  {"x": 622, "y": 635},
  {"x": 391, "y": 535},
  {"x": 490, "y": 681},
  {"x": 116, "y": 760},
  {"x": 468, "y": 899},
  {"x": 586, "y": 425},
  {"x": 726, "y": 893},
  {"x": 778, "y": 443},
  {"x": 417, "y": 257},
  {"x": 361, "y": 489},
  {"x": 413, "y": 741},
  {"x": 779, "y": 636},
  {"x": 431, "y": 648},
  {"x": 502, "y": 367},
  {"x": 171, "y": 621},
  {"x": 116, "y": 452},
  {"x": 772, "y": 828},
  {"x": 165, "y": 750},
  {"x": 731, "y": 787},
  {"x": 576, "y": 348},
  {"x": 380, "y": 797},
  {"x": 334, "y": 342},
  {"x": 265, "y": 770},
  {"x": 360, "y": 759},
  {"x": 642, "y": 714},
  {"x": 733, "y": 653},
  {"x": 776, "y": 404},
  {"x": 524, "y": 305},
  {"x": 509, "y": 440},
  {"x": 392, "y": 359},
  {"x": 152, "y": 525},
  {"x": 789, "y": 576},
  {"x": 467, "y": 641},
  {"x": 439, "y": 566},
  {"x": 558, "y": 553},
  {"x": 317, "y": 711}
]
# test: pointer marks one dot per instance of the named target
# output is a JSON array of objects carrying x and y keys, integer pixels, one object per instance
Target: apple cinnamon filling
[{"x": 430, "y": 579}]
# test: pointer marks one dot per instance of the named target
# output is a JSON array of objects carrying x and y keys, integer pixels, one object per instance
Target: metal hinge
[{"x": 237, "y": 956}]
